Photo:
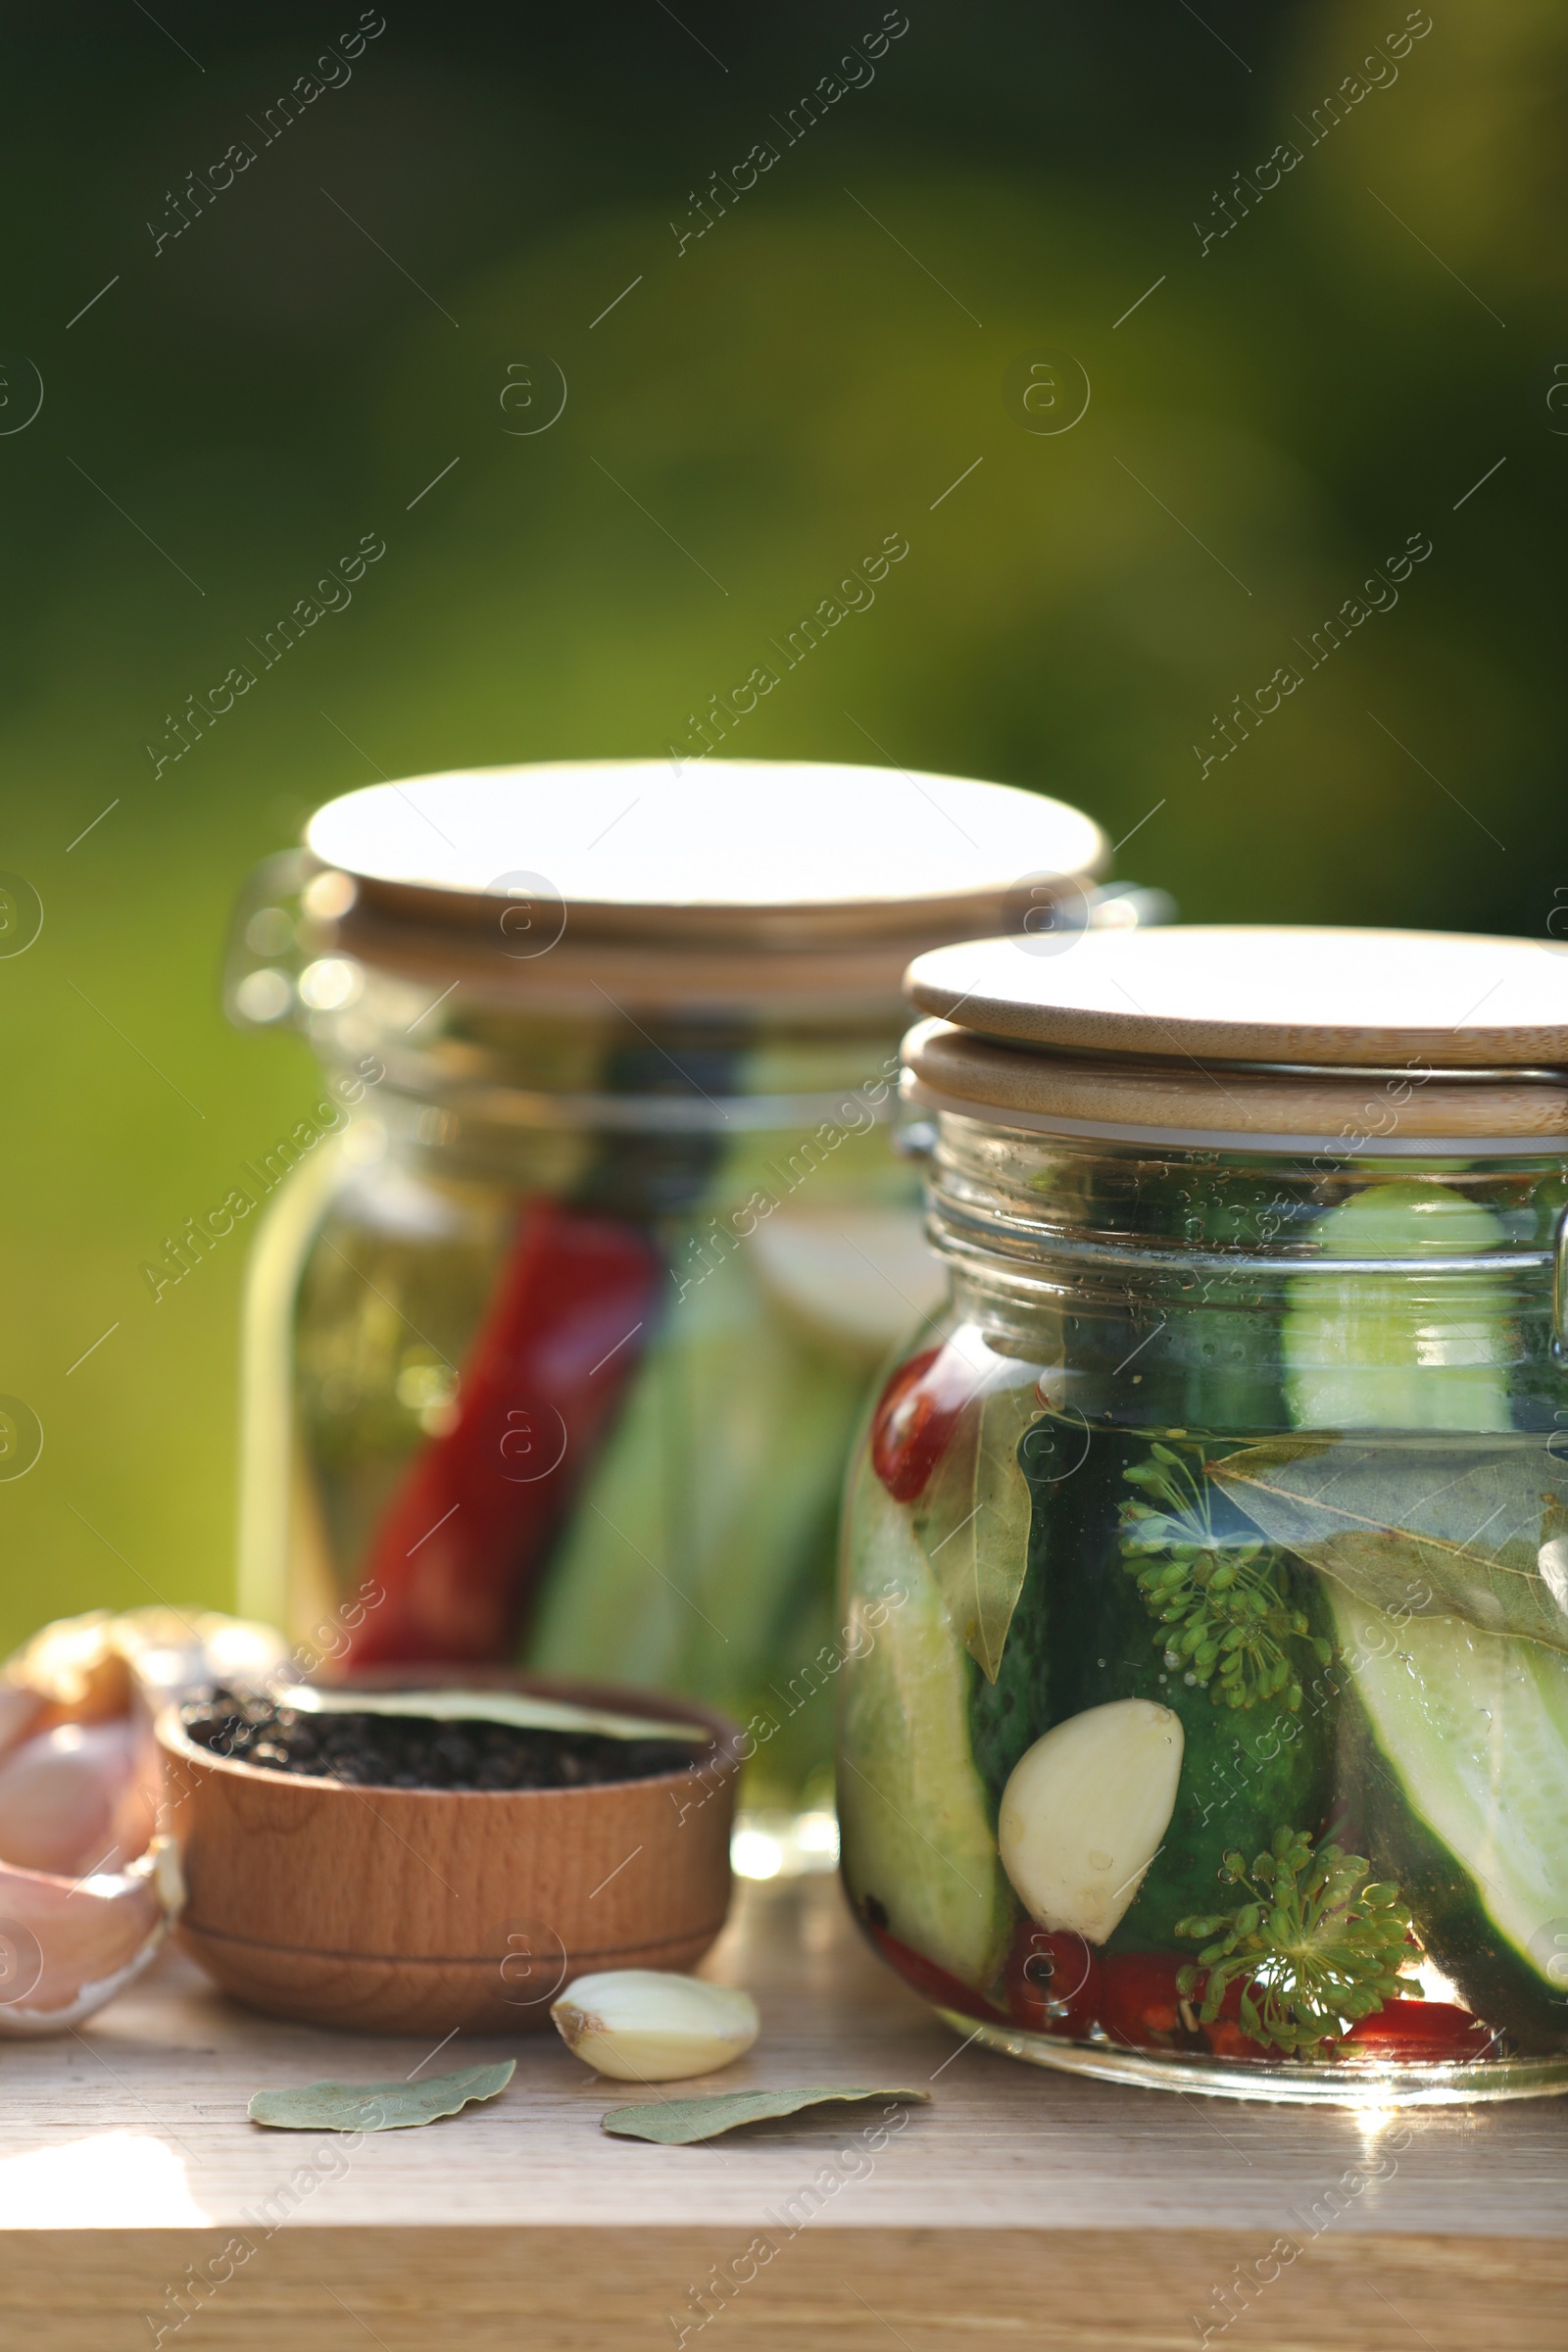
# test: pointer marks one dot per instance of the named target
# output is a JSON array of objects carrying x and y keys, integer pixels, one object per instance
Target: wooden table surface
[{"x": 1020, "y": 2208}]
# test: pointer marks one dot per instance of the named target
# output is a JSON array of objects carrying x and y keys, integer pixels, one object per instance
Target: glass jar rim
[{"x": 1026, "y": 1232}]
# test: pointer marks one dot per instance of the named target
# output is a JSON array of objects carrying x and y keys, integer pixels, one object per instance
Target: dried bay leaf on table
[
  {"x": 679, "y": 2123},
  {"x": 378, "y": 2106},
  {"x": 973, "y": 1520},
  {"x": 1420, "y": 1526}
]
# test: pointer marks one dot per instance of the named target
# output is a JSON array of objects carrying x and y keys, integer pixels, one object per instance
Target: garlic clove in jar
[
  {"x": 649, "y": 2025},
  {"x": 1084, "y": 1811},
  {"x": 66, "y": 1948}
]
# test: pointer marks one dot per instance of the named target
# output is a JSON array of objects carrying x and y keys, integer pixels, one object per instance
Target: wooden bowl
[{"x": 417, "y": 1910}]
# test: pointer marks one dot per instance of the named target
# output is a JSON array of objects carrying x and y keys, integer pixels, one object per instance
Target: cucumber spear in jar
[
  {"x": 918, "y": 1845},
  {"x": 1145, "y": 1582},
  {"x": 1447, "y": 1595}
]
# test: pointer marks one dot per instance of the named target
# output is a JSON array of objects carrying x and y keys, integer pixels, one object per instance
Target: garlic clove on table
[
  {"x": 66, "y": 1948},
  {"x": 647, "y": 2025}
]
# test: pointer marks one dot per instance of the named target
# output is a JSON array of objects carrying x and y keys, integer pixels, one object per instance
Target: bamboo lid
[
  {"x": 1245, "y": 993},
  {"x": 726, "y": 879},
  {"x": 1369, "y": 1039}
]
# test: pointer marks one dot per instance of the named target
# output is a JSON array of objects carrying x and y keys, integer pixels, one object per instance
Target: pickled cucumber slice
[
  {"x": 915, "y": 1825},
  {"x": 1455, "y": 1741},
  {"x": 1365, "y": 1351},
  {"x": 1460, "y": 1748},
  {"x": 692, "y": 1558}
]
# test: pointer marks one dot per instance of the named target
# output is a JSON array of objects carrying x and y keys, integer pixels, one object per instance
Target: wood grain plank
[
  {"x": 1021, "y": 2207},
  {"x": 939, "y": 2290}
]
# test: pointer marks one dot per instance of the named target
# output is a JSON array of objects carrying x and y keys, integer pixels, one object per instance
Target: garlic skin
[
  {"x": 1084, "y": 1811},
  {"x": 649, "y": 2025},
  {"x": 66, "y": 1950}
]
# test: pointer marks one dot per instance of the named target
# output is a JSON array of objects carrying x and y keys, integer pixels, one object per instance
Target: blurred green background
[{"x": 332, "y": 333}]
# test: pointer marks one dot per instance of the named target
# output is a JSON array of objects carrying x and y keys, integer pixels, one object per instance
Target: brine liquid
[
  {"x": 609, "y": 1446},
  {"x": 1363, "y": 1641}
]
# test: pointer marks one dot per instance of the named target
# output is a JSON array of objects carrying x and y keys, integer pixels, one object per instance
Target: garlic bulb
[
  {"x": 647, "y": 2025},
  {"x": 80, "y": 1769},
  {"x": 80, "y": 1780},
  {"x": 91, "y": 1669},
  {"x": 75, "y": 1799},
  {"x": 1084, "y": 1811},
  {"x": 66, "y": 1950},
  {"x": 19, "y": 1711}
]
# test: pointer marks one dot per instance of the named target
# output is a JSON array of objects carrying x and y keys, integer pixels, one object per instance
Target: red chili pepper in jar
[
  {"x": 468, "y": 1530},
  {"x": 930, "y": 1980},
  {"x": 1225, "y": 2033},
  {"x": 1053, "y": 1982},
  {"x": 1141, "y": 2005},
  {"x": 1420, "y": 2034},
  {"x": 917, "y": 1415}
]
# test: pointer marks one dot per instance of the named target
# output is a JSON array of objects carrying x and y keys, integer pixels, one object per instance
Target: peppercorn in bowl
[{"x": 425, "y": 1849}]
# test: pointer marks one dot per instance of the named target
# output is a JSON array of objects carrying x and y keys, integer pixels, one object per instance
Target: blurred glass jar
[
  {"x": 1206, "y": 1716},
  {"x": 553, "y": 1351}
]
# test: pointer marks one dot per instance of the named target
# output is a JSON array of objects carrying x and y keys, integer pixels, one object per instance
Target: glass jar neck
[
  {"x": 1022, "y": 1199},
  {"x": 607, "y": 1067},
  {"x": 1170, "y": 1259},
  {"x": 643, "y": 1111}
]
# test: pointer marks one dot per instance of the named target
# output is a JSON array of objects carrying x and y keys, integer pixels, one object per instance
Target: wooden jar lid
[
  {"x": 730, "y": 879},
  {"x": 1253, "y": 1035}
]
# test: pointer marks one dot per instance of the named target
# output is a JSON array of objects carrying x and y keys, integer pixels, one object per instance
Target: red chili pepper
[
  {"x": 1053, "y": 1982},
  {"x": 1420, "y": 2034},
  {"x": 468, "y": 1531},
  {"x": 916, "y": 1416},
  {"x": 932, "y": 1983},
  {"x": 1227, "y": 2039},
  {"x": 1224, "y": 2036},
  {"x": 1139, "y": 2005}
]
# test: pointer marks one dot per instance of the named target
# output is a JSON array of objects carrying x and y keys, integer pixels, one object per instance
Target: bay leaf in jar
[
  {"x": 973, "y": 1518},
  {"x": 1417, "y": 1528}
]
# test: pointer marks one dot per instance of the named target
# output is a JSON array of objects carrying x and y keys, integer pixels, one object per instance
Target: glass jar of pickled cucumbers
[
  {"x": 559, "y": 1323},
  {"x": 1206, "y": 1718}
]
